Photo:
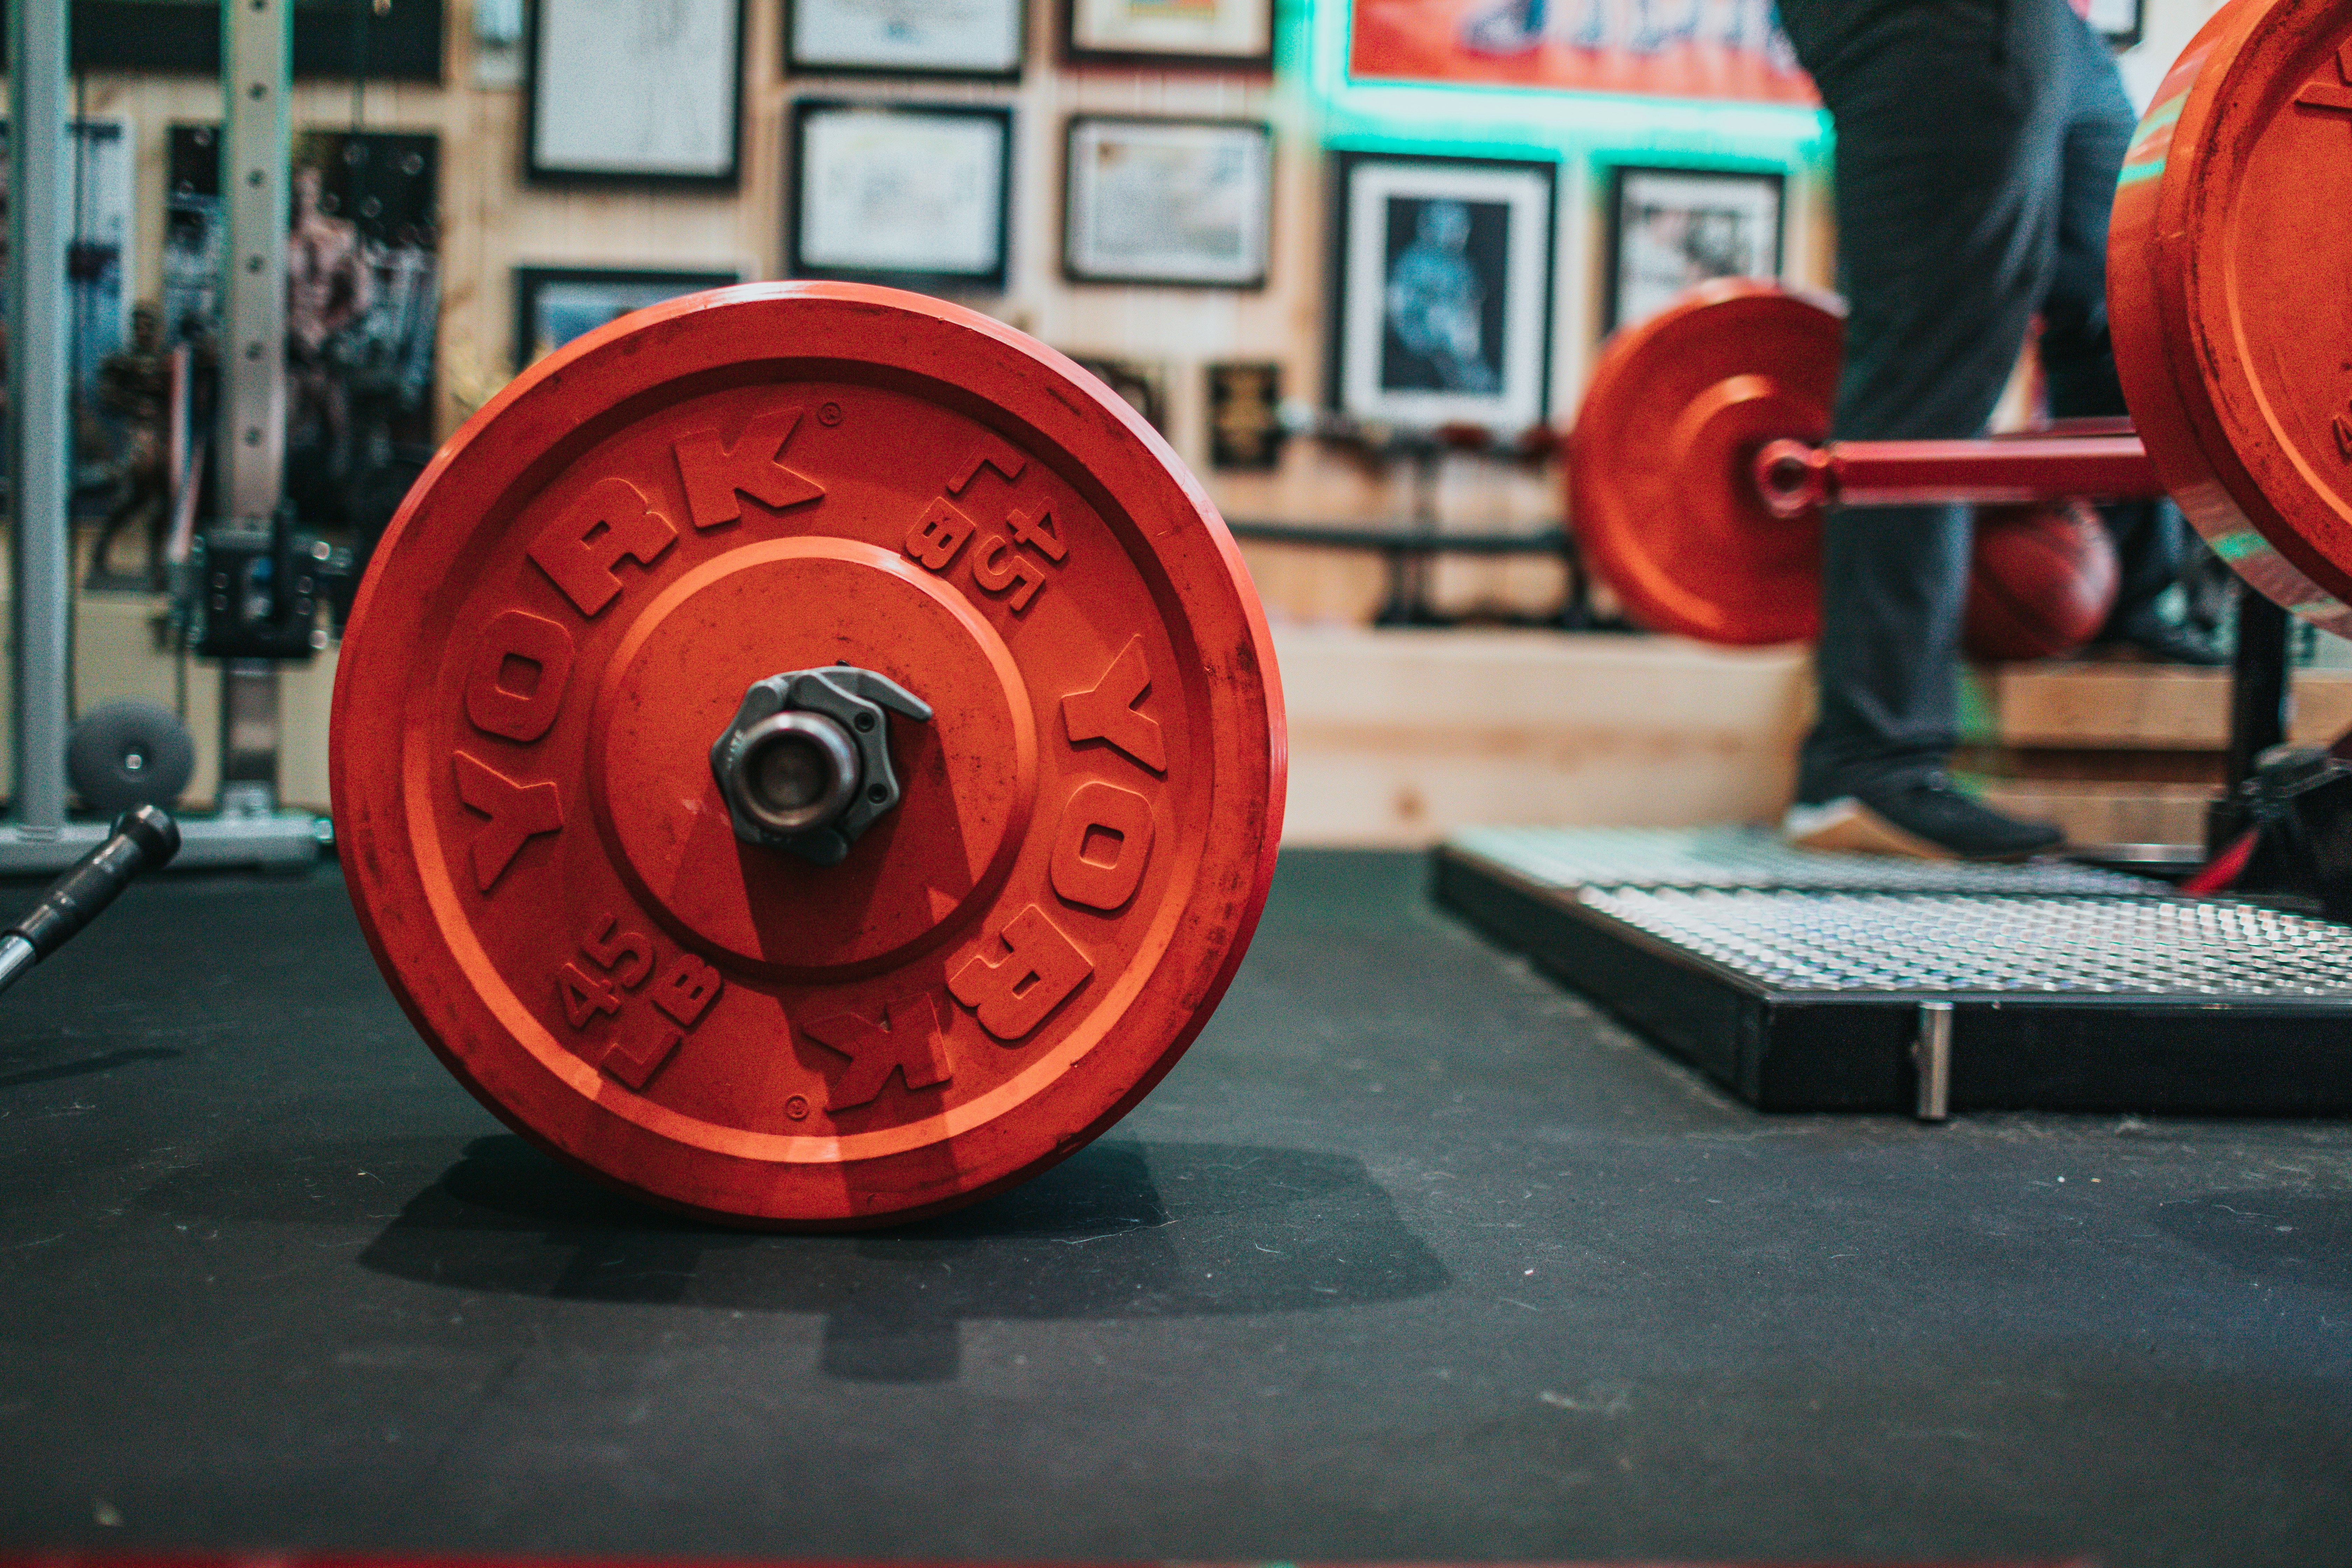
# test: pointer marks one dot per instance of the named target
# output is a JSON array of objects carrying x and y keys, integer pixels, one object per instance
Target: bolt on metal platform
[{"x": 1812, "y": 982}]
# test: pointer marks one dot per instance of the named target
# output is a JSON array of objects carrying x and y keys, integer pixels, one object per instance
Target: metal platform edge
[{"x": 1799, "y": 1051}]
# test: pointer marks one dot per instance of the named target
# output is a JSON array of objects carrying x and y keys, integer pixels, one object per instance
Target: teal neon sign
[{"x": 1485, "y": 121}]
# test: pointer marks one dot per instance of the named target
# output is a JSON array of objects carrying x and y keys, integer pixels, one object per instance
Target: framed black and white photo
[
  {"x": 1218, "y": 35},
  {"x": 1442, "y": 302},
  {"x": 555, "y": 305},
  {"x": 915, "y": 194},
  {"x": 1672, "y": 229},
  {"x": 906, "y": 37},
  {"x": 2118, "y": 22},
  {"x": 621, "y": 90},
  {"x": 1184, "y": 202}
]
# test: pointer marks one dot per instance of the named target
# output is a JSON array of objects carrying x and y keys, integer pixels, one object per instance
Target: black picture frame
[
  {"x": 540, "y": 168},
  {"x": 1245, "y": 429},
  {"x": 639, "y": 286},
  {"x": 1523, "y": 396},
  {"x": 332, "y": 38},
  {"x": 1139, "y": 55},
  {"x": 802, "y": 260},
  {"x": 1619, "y": 292},
  {"x": 1143, "y": 383},
  {"x": 1083, "y": 263},
  {"x": 796, "y": 64}
]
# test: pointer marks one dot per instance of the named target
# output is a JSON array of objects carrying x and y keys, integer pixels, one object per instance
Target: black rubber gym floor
[{"x": 1414, "y": 1257}]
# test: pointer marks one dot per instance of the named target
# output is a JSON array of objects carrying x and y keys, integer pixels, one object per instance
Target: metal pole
[
  {"x": 1931, "y": 1053},
  {"x": 2262, "y": 703},
  {"x": 2261, "y": 700},
  {"x": 1794, "y": 476},
  {"x": 257, "y": 48},
  {"x": 256, "y": 56},
  {"x": 43, "y": 554}
]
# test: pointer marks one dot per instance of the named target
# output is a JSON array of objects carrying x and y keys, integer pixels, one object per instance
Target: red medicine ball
[{"x": 2041, "y": 584}]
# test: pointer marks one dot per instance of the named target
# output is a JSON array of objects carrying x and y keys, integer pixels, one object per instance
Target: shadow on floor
[
  {"x": 1122, "y": 1229},
  {"x": 86, "y": 1066}
]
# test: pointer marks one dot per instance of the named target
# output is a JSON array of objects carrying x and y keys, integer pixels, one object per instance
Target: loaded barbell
[
  {"x": 807, "y": 754},
  {"x": 1697, "y": 465}
]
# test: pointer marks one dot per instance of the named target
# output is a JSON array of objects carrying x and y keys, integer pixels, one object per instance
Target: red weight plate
[
  {"x": 2226, "y": 264},
  {"x": 567, "y": 613},
  {"x": 1659, "y": 487},
  {"x": 2041, "y": 580}
]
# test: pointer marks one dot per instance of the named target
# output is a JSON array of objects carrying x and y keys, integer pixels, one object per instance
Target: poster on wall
[
  {"x": 1183, "y": 201},
  {"x": 1443, "y": 293},
  {"x": 97, "y": 314},
  {"x": 915, "y": 194},
  {"x": 1672, "y": 229},
  {"x": 624, "y": 90},
  {"x": 1675, "y": 48},
  {"x": 362, "y": 306},
  {"x": 1214, "y": 35}
]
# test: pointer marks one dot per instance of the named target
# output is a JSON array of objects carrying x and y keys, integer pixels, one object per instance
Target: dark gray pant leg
[
  {"x": 1947, "y": 137},
  {"x": 2078, "y": 356}
]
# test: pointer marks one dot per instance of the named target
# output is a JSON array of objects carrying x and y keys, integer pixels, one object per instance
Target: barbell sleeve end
[{"x": 144, "y": 840}]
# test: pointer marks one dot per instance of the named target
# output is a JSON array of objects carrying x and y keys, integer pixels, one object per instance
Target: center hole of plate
[{"x": 792, "y": 773}]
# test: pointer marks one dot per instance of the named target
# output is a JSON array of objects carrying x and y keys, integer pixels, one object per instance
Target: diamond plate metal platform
[
  {"x": 1808, "y": 981},
  {"x": 1756, "y": 858}
]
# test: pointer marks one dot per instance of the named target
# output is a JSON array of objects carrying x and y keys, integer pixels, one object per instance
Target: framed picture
[
  {"x": 1732, "y": 51},
  {"x": 555, "y": 305},
  {"x": 906, "y": 37},
  {"x": 1142, "y": 383},
  {"x": 1670, "y": 229},
  {"x": 1216, "y": 35},
  {"x": 1442, "y": 302},
  {"x": 1185, "y": 202},
  {"x": 915, "y": 194},
  {"x": 2117, "y": 21},
  {"x": 618, "y": 90},
  {"x": 1245, "y": 414}
]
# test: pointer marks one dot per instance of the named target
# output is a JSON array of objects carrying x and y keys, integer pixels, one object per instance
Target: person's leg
[
  {"x": 1946, "y": 174},
  {"x": 2078, "y": 355}
]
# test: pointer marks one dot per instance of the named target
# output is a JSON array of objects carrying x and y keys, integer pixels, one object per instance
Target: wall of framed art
[{"x": 1171, "y": 197}]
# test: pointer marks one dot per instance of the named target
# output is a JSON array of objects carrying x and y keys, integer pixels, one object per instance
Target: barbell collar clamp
[{"x": 804, "y": 764}]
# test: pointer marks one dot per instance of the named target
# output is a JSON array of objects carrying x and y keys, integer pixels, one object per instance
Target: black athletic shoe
[
  {"x": 1926, "y": 818},
  {"x": 2161, "y": 641}
]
